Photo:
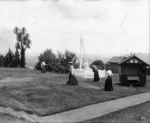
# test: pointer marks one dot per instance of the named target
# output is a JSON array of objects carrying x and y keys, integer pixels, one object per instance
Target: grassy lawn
[
  {"x": 45, "y": 94},
  {"x": 139, "y": 113}
]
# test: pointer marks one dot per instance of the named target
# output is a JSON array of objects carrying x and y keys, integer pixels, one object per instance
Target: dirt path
[{"x": 84, "y": 113}]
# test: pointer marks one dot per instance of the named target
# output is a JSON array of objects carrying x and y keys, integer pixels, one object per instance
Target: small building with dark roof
[
  {"x": 132, "y": 70},
  {"x": 113, "y": 63}
]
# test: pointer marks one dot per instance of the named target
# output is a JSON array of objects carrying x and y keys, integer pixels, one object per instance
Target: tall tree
[
  {"x": 23, "y": 42},
  {"x": 16, "y": 57}
]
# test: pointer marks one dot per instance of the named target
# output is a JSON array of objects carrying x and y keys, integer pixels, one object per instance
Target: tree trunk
[{"x": 22, "y": 64}]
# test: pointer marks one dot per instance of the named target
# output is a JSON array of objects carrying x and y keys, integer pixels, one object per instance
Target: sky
[{"x": 108, "y": 27}]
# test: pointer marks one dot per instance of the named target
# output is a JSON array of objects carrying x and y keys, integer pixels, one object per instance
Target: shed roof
[
  {"x": 116, "y": 59},
  {"x": 127, "y": 59}
]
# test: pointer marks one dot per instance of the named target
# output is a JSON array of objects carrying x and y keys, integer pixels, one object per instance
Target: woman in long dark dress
[
  {"x": 108, "y": 81},
  {"x": 96, "y": 74},
  {"x": 72, "y": 79}
]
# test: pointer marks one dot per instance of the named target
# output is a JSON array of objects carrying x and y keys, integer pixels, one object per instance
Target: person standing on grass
[
  {"x": 72, "y": 79},
  {"x": 43, "y": 67},
  {"x": 108, "y": 81},
  {"x": 96, "y": 74}
]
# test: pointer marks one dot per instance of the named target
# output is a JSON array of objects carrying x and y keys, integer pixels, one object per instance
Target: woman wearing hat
[
  {"x": 96, "y": 74},
  {"x": 108, "y": 81},
  {"x": 72, "y": 79}
]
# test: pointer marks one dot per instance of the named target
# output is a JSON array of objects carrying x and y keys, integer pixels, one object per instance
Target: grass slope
[{"x": 45, "y": 94}]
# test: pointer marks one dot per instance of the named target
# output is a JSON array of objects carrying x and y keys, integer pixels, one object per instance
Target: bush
[
  {"x": 9, "y": 59},
  {"x": 1, "y": 60},
  {"x": 99, "y": 64},
  {"x": 56, "y": 63},
  {"x": 49, "y": 57}
]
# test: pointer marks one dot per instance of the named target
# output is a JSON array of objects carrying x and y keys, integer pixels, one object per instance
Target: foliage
[
  {"x": 9, "y": 59},
  {"x": 64, "y": 59},
  {"x": 70, "y": 56},
  {"x": 1, "y": 60},
  {"x": 16, "y": 59},
  {"x": 23, "y": 42},
  {"x": 99, "y": 64},
  {"x": 56, "y": 63},
  {"x": 50, "y": 59}
]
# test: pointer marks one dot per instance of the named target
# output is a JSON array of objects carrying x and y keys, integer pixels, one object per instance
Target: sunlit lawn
[{"x": 45, "y": 94}]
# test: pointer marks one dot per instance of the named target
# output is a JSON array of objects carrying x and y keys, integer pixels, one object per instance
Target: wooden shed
[
  {"x": 113, "y": 63},
  {"x": 132, "y": 70}
]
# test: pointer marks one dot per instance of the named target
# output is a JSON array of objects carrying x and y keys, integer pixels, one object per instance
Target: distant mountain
[
  {"x": 93, "y": 57},
  {"x": 32, "y": 60},
  {"x": 143, "y": 56}
]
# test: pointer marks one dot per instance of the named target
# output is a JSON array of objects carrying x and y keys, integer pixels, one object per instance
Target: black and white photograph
[{"x": 74, "y": 61}]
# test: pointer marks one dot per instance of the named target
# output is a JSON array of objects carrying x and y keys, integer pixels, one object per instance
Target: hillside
[{"x": 32, "y": 60}]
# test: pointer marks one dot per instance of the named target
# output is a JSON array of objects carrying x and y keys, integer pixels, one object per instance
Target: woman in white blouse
[{"x": 108, "y": 81}]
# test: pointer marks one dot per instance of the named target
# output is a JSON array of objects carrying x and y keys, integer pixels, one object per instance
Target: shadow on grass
[{"x": 129, "y": 85}]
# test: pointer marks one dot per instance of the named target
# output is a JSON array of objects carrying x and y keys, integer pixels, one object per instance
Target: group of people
[
  {"x": 73, "y": 81},
  {"x": 108, "y": 82}
]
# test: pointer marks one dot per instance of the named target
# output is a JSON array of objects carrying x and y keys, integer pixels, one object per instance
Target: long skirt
[
  {"x": 96, "y": 76},
  {"x": 72, "y": 80},
  {"x": 43, "y": 69},
  {"x": 108, "y": 84}
]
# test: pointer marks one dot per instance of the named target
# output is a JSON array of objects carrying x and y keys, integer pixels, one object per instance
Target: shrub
[
  {"x": 56, "y": 63},
  {"x": 1, "y": 60},
  {"x": 9, "y": 59},
  {"x": 99, "y": 64},
  {"x": 49, "y": 57},
  {"x": 16, "y": 62}
]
